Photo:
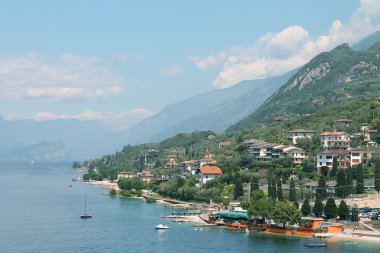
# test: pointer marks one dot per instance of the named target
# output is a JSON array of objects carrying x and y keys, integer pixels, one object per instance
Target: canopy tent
[{"x": 232, "y": 215}]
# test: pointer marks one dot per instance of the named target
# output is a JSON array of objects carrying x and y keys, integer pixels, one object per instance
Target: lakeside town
[{"x": 273, "y": 191}]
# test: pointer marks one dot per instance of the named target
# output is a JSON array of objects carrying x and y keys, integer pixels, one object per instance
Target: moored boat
[{"x": 160, "y": 226}]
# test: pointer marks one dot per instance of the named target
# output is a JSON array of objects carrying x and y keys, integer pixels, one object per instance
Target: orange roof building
[
  {"x": 224, "y": 144},
  {"x": 207, "y": 173},
  {"x": 335, "y": 140}
]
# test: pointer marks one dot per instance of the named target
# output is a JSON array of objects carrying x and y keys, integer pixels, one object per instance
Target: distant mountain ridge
[
  {"x": 214, "y": 110},
  {"x": 331, "y": 77}
]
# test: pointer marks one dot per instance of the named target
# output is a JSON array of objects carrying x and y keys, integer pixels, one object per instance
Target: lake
[{"x": 39, "y": 212}]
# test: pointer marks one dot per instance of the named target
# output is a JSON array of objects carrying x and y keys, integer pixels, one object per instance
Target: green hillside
[{"x": 330, "y": 78}]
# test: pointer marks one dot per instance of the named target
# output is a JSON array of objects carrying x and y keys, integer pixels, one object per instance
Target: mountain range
[{"x": 331, "y": 77}]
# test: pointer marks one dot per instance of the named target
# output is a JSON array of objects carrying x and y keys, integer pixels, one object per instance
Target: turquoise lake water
[{"x": 39, "y": 212}]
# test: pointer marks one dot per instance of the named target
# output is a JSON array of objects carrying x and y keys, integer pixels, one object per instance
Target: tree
[
  {"x": 341, "y": 184},
  {"x": 330, "y": 208},
  {"x": 324, "y": 171},
  {"x": 355, "y": 213},
  {"x": 334, "y": 167},
  {"x": 343, "y": 210},
  {"x": 318, "y": 207},
  {"x": 305, "y": 209},
  {"x": 257, "y": 194},
  {"x": 377, "y": 175},
  {"x": 279, "y": 190},
  {"x": 349, "y": 181},
  {"x": 254, "y": 183},
  {"x": 359, "y": 179},
  {"x": 238, "y": 190},
  {"x": 261, "y": 208},
  {"x": 321, "y": 191},
  {"x": 285, "y": 212},
  {"x": 292, "y": 191},
  {"x": 272, "y": 188}
]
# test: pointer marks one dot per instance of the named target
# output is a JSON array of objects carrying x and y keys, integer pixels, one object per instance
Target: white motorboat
[{"x": 160, "y": 226}]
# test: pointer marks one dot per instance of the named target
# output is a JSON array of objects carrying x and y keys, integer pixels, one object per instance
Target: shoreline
[{"x": 348, "y": 235}]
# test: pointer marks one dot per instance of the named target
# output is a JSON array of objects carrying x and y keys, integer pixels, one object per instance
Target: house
[
  {"x": 202, "y": 162},
  {"x": 207, "y": 173},
  {"x": 377, "y": 99},
  {"x": 298, "y": 155},
  {"x": 335, "y": 140},
  {"x": 187, "y": 166},
  {"x": 279, "y": 120},
  {"x": 224, "y": 144},
  {"x": 363, "y": 155},
  {"x": 126, "y": 174},
  {"x": 313, "y": 185},
  {"x": 262, "y": 150},
  {"x": 325, "y": 159},
  {"x": 342, "y": 122},
  {"x": 299, "y": 133},
  {"x": 146, "y": 177}
]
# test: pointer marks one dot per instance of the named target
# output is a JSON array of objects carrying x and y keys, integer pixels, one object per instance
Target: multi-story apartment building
[{"x": 335, "y": 140}]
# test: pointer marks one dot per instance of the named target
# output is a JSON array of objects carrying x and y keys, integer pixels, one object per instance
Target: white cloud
[
  {"x": 32, "y": 76},
  {"x": 172, "y": 71},
  {"x": 116, "y": 121},
  {"x": 277, "y": 53}
]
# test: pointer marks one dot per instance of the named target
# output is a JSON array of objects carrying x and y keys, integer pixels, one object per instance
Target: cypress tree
[
  {"x": 305, "y": 209},
  {"x": 238, "y": 188},
  {"x": 334, "y": 168},
  {"x": 292, "y": 191},
  {"x": 359, "y": 179},
  {"x": 377, "y": 175},
  {"x": 343, "y": 210},
  {"x": 325, "y": 171},
  {"x": 272, "y": 188},
  {"x": 349, "y": 180},
  {"x": 318, "y": 208},
  {"x": 254, "y": 183},
  {"x": 330, "y": 208},
  {"x": 321, "y": 191},
  {"x": 280, "y": 196},
  {"x": 341, "y": 184}
]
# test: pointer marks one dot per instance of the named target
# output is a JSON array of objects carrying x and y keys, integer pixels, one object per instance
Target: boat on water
[
  {"x": 85, "y": 215},
  {"x": 315, "y": 245},
  {"x": 160, "y": 226}
]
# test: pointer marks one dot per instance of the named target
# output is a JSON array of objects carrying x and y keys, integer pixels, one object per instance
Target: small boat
[
  {"x": 160, "y": 226},
  {"x": 315, "y": 245},
  {"x": 85, "y": 215}
]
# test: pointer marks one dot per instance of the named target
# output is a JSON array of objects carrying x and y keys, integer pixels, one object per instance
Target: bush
[
  {"x": 150, "y": 200},
  {"x": 112, "y": 192},
  {"x": 125, "y": 193}
]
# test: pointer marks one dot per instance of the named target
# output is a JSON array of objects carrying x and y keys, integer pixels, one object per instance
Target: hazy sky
[{"x": 124, "y": 60}]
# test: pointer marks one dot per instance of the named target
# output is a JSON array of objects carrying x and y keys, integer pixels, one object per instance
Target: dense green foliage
[
  {"x": 285, "y": 212},
  {"x": 341, "y": 184},
  {"x": 321, "y": 192},
  {"x": 292, "y": 191}
]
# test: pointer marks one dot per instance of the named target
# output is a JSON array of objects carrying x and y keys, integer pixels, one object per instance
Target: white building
[
  {"x": 335, "y": 140},
  {"x": 325, "y": 159},
  {"x": 299, "y": 133},
  {"x": 207, "y": 173},
  {"x": 362, "y": 155}
]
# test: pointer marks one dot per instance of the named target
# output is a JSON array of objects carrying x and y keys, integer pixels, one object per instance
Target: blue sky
[{"x": 122, "y": 61}]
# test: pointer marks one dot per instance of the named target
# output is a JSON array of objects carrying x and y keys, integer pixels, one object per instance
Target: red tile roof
[
  {"x": 332, "y": 133},
  {"x": 213, "y": 170},
  {"x": 224, "y": 143}
]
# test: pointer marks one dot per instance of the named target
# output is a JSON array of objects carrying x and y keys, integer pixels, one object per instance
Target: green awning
[{"x": 232, "y": 215}]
